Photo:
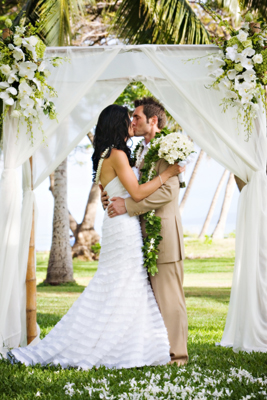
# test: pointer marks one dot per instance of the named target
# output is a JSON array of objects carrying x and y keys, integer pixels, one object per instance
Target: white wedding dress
[{"x": 116, "y": 321}]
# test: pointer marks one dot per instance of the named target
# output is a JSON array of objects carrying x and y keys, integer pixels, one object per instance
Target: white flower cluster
[
  {"x": 23, "y": 78},
  {"x": 174, "y": 147},
  {"x": 199, "y": 386},
  {"x": 239, "y": 82}
]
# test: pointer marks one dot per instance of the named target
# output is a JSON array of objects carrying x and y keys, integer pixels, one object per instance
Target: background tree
[{"x": 213, "y": 205}]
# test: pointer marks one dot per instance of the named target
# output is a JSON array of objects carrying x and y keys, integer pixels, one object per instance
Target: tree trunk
[
  {"x": 240, "y": 183},
  {"x": 229, "y": 191},
  {"x": 60, "y": 268},
  {"x": 85, "y": 235},
  {"x": 212, "y": 206},
  {"x": 190, "y": 183}
]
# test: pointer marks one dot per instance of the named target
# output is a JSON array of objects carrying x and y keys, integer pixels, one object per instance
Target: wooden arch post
[{"x": 31, "y": 309}]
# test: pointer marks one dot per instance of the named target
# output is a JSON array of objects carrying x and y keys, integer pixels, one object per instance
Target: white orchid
[
  {"x": 248, "y": 75},
  {"x": 257, "y": 59},
  {"x": 242, "y": 36},
  {"x": 232, "y": 74},
  {"x": 248, "y": 52},
  {"x": 12, "y": 90},
  {"x": 217, "y": 72},
  {"x": 29, "y": 112},
  {"x": 5, "y": 69},
  {"x": 25, "y": 89},
  {"x": 231, "y": 52},
  {"x": 12, "y": 77},
  {"x": 42, "y": 66},
  {"x": 255, "y": 106},
  {"x": 26, "y": 102},
  {"x": 239, "y": 58},
  {"x": 7, "y": 99},
  {"x": 27, "y": 69},
  {"x": 225, "y": 83},
  {"x": 4, "y": 85},
  {"x": 246, "y": 98},
  {"x": 231, "y": 94},
  {"x": 30, "y": 48},
  {"x": 18, "y": 54},
  {"x": 247, "y": 63}
]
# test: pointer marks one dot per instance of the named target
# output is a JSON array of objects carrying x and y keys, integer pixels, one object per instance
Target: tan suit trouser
[{"x": 168, "y": 289}]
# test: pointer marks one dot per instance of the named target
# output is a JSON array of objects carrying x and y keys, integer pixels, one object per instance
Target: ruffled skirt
[{"x": 116, "y": 321}]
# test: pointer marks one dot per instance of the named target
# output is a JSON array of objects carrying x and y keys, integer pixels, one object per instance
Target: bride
[{"x": 116, "y": 321}]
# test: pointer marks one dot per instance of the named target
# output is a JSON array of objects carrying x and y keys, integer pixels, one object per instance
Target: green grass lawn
[{"x": 212, "y": 372}]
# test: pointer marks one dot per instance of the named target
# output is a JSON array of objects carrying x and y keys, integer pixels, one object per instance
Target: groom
[{"x": 148, "y": 119}]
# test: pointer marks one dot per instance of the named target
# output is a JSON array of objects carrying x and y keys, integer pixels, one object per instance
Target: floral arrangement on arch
[
  {"x": 240, "y": 67},
  {"x": 23, "y": 76}
]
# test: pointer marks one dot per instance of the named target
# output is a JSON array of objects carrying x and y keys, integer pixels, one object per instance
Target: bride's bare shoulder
[{"x": 118, "y": 155}]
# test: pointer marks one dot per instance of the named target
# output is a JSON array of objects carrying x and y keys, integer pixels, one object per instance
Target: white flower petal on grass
[
  {"x": 242, "y": 36},
  {"x": 231, "y": 74},
  {"x": 257, "y": 59}
]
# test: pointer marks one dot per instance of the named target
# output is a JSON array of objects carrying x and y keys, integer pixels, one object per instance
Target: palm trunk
[
  {"x": 85, "y": 235},
  {"x": 190, "y": 183},
  {"x": 60, "y": 268},
  {"x": 212, "y": 206},
  {"x": 220, "y": 227}
]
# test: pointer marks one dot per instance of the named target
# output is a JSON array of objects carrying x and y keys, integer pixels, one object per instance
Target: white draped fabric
[{"x": 94, "y": 78}]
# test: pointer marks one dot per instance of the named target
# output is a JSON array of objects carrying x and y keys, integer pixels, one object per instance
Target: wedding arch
[{"x": 94, "y": 78}]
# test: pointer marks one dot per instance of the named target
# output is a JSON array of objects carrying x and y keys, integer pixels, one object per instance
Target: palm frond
[
  {"x": 159, "y": 21},
  {"x": 56, "y": 18},
  {"x": 255, "y": 5}
]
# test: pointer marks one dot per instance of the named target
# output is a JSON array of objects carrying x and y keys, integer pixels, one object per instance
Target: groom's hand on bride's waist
[
  {"x": 104, "y": 197},
  {"x": 117, "y": 207}
]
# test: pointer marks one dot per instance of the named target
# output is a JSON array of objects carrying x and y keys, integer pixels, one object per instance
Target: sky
[{"x": 80, "y": 181}]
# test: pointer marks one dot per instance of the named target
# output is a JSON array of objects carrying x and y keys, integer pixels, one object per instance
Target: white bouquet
[{"x": 175, "y": 147}]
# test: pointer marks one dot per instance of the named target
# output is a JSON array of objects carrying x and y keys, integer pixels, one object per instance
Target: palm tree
[
  {"x": 55, "y": 17},
  {"x": 173, "y": 21},
  {"x": 218, "y": 232},
  {"x": 212, "y": 206},
  {"x": 191, "y": 181}
]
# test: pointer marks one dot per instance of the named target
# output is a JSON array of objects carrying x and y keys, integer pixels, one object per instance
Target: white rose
[
  {"x": 15, "y": 114},
  {"x": 5, "y": 69},
  {"x": 257, "y": 59},
  {"x": 242, "y": 36}
]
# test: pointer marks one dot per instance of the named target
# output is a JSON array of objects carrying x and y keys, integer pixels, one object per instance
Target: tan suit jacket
[{"x": 165, "y": 202}]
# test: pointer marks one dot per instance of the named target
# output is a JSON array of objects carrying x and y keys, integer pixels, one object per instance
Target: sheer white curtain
[
  {"x": 198, "y": 111},
  {"x": 72, "y": 81}
]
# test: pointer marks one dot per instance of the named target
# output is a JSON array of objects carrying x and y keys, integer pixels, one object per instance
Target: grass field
[{"x": 212, "y": 372}]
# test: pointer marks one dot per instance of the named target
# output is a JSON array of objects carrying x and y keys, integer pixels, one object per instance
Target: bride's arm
[{"x": 120, "y": 163}]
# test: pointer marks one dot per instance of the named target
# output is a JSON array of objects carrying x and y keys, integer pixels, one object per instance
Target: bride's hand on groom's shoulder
[
  {"x": 117, "y": 207},
  {"x": 104, "y": 197}
]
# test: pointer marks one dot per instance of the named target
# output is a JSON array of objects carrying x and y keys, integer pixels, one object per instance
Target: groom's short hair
[{"x": 152, "y": 107}]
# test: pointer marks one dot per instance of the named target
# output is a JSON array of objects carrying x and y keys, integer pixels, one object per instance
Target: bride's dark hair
[{"x": 112, "y": 130}]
